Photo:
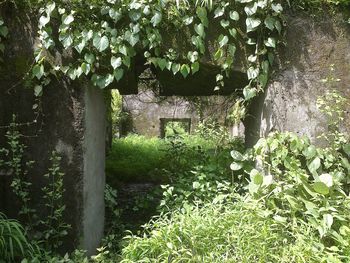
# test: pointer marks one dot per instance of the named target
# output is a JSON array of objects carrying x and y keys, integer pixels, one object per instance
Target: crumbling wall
[
  {"x": 145, "y": 111},
  {"x": 72, "y": 122},
  {"x": 289, "y": 104}
]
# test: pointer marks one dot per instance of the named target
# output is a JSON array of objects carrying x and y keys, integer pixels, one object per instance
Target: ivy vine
[{"x": 106, "y": 36}]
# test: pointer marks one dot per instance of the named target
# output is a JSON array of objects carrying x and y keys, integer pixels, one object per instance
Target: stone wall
[
  {"x": 146, "y": 111},
  {"x": 289, "y": 104},
  {"x": 72, "y": 123}
]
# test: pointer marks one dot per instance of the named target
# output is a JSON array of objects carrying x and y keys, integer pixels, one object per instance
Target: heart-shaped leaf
[
  {"x": 200, "y": 30},
  {"x": 116, "y": 62}
]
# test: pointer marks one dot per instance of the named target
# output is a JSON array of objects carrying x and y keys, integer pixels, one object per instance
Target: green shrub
[
  {"x": 303, "y": 184},
  {"x": 240, "y": 231}
]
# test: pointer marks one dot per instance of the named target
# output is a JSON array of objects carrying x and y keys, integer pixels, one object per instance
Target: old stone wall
[
  {"x": 71, "y": 122},
  {"x": 147, "y": 110},
  {"x": 313, "y": 45}
]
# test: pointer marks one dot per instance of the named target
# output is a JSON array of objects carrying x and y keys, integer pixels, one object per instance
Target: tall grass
[
  {"x": 237, "y": 231},
  {"x": 133, "y": 158},
  {"x": 13, "y": 242}
]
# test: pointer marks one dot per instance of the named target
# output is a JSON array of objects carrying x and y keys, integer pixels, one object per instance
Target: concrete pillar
[{"x": 94, "y": 168}]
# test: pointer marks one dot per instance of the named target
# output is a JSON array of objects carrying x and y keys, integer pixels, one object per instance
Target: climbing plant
[
  {"x": 106, "y": 36},
  {"x": 102, "y": 39}
]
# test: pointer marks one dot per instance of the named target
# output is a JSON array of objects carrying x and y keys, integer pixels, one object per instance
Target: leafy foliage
[
  {"x": 49, "y": 231},
  {"x": 117, "y": 31},
  {"x": 12, "y": 160},
  {"x": 54, "y": 229},
  {"x": 302, "y": 184}
]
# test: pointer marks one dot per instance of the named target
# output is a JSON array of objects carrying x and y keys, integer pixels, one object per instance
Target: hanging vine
[{"x": 106, "y": 36}]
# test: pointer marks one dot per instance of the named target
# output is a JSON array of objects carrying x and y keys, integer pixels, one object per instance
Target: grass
[
  {"x": 13, "y": 242},
  {"x": 136, "y": 158},
  {"x": 133, "y": 158},
  {"x": 240, "y": 231}
]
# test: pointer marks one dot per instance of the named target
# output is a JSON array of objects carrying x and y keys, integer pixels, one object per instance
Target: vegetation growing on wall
[{"x": 105, "y": 47}]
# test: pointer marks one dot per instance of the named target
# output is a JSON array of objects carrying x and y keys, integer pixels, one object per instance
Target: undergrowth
[{"x": 238, "y": 231}]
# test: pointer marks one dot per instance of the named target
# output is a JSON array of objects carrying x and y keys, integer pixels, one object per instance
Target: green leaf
[
  {"x": 38, "y": 71},
  {"x": 278, "y": 26},
  {"x": 101, "y": 43},
  {"x": 127, "y": 61},
  {"x": 202, "y": 14},
  {"x": 118, "y": 74},
  {"x": 321, "y": 188},
  {"x": 251, "y": 9},
  {"x": 85, "y": 68},
  {"x": 252, "y": 23},
  {"x": 161, "y": 63},
  {"x": 233, "y": 32},
  {"x": 67, "y": 19},
  {"x": 234, "y": 15},
  {"x": 135, "y": 15},
  {"x": 219, "y": 12},
  {"x": 310, "y": 152},
  {"x": 200, "y": 30},
  {"x": 270, "y": 22},
  {"x": 50, "y": 7},
  {"x": 277, "y": 8},
  {"x": 223, "y": 40},
  {"x": 66, "y": 40},
  {"x": 133, "y": 39},
  {"x": 237, "y": 156},
  {"x": 196, "y": 185},
  {"x": 236, "y": 166},
  {"x": 314, "y": 165},
  {"x": 89, "y": 58},
  {"x": 224, "y": 23},
  {"x": 115, "y": 15},
  {"x": 80, "y": 46},
  {"x": 328, "y": 220},
  {"x": 232, "y": 49},
  {"x": 116, "y": 62},
  {"x": 346, "y": 149},
  {"x": 175, "y": 68},
  {"x": 43, "y": 20},
  {"x": 256, "y": 177},
  {"x": 185, "y": 70},
  {"x": 263, "y": 79},
  {"x": 253, "y": 188},
  {"x": 249, "y": 93},
  {"x": 218, "y": 54},
  {"x": 38, "y": 90},
  {"x": 195, "y": 67},
  {"x": 270, "y": 42},
  {"x": 156, "y": 19},
  {"x": 252, "y": 73},
  {"x": 4, "y": 31}
]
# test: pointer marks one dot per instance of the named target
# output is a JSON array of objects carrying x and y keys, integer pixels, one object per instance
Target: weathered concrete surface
[
  {"x": 94, "y": 168},
  {"x": 147, "y": 110},
  {"x": 289, "y": 104},
  {"x": 71, "y": 122}
]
